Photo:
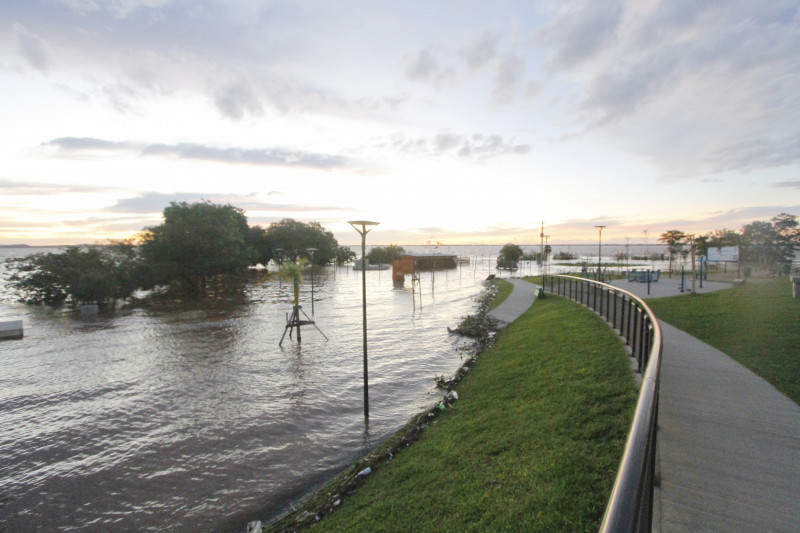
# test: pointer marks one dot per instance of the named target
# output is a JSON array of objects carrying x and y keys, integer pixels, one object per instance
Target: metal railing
[{"x": 630, "y": 507}]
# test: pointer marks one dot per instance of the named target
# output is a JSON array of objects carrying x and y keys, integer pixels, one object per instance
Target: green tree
[
  {"x": 760, "y": 244},
  {"x": 724, "y": 237},
  {"x": 721, "y": 238},
  {"x": 81, "y": 275},
  {"x": 344, "y": 255},
  {"x": 293, "y": 238},
  {"x": 788, "y": 239},
  {"x": 384, "y": 255},
  {"x": 509, "y": 256},
  {"x": 259, "y": 242},
  {"x": 701, "y": 245},
  {"x": 673, "y": 238},
  {"x": 196, "y": 242}
]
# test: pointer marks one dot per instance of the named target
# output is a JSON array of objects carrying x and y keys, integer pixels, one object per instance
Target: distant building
[{"x": 412, "y": 263}]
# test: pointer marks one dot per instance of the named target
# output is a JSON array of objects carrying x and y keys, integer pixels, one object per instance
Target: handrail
[{"x": 630, "y": 506}]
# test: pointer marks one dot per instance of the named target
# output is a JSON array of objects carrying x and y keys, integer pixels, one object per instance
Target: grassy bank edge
[
  {"x": 330, "y": 496},
  {"x": 505, "y": 288}
]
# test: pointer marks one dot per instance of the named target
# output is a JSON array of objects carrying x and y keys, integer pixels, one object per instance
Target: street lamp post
[
  {"x": 311, "y": 251},
  {"x": 599, "y": 250},
  {"x": 280, "y": 263},
  {"x": 363, "y": 232}
]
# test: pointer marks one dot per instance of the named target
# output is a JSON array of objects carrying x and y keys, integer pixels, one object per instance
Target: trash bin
[{"x": 796, "y": 286}]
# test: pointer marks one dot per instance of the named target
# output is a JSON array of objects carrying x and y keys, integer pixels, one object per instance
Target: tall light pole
[
  {"x": 363, "y": 232},
  {"x": 541, "y": 252},
  {"x": 599, "y": 249},
  {"x": 311, "y": 251},
  {"x": 280, "y": 264}
]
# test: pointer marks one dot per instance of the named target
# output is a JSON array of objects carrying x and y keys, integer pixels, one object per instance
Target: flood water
[{"x": 152, "y": 419}]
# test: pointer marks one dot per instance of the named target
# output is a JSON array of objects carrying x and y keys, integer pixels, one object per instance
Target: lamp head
[{"x": 363, "y": 224}]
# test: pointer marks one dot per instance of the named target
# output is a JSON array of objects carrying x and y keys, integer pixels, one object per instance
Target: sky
[{"x": 453, "y": 122}]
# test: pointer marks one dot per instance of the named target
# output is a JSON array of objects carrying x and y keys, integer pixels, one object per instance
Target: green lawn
[
  {"x": 757, "y": 323},
  {"x": 533, "y": 443}
]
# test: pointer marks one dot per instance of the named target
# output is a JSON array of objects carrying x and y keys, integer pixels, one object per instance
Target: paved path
[
  {"x": 668, "y": 287},
  {"x": 728, "y": 444},
  {"x": 520, "y": 299},
  {"x": 728, "y": 441}
]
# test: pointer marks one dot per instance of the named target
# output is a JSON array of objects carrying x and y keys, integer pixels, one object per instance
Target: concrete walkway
[
  {"x": 520, "y": 299},
  {"x": 728, "y": 441},
  {"x": 668, "y": 287},
  {"x": 728, "y": 444}
]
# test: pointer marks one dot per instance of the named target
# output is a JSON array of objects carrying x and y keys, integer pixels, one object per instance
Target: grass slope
[
  {"x": 504, "y": 291},
  {"x": 757, "y": 323},
  {"x": 533, "y": 444}
]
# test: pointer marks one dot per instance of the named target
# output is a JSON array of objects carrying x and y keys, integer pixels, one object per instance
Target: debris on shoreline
[{"x": 327, "y": 499}]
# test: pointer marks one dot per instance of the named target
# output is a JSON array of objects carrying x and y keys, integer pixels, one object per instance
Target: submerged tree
[
  {"x": 384, "y": 255},
  {"x": 509, "y": 256},
  {"x": 295, "y": 238},
  {"x": 80, "y": 274},
  {"x": 344, "y": 255},
  {"x": 196, "y": 242}
]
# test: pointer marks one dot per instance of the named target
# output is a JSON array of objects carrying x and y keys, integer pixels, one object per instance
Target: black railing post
[{"x": 631, "y": 308}]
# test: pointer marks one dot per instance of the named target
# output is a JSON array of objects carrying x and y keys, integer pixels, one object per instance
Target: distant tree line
[
  {"x": 766, "y": 244},
  {"x": 385, "y": 255},
  {"x": 194, "y": 245}
]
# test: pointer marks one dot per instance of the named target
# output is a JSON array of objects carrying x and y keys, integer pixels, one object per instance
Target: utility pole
[{"x": 541, "y": 252}]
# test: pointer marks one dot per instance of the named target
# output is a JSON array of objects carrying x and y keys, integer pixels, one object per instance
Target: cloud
[
  {"x": 237, "y": 99},
  {"x": 509, "y": 75},
  {"x": 580, "y": 31},
  {"x": 694, "y": 87},
  {"x": 262, "y": 157},
  {"x": 793, "y": 184},
  {"x": 477, "y": 147},
  {"x": 481, "y": 51},
  {"x": 425, "y": 65},
  {"x": 155, "y": 202},
  {"x": 118, "y": 8},
  {"x": 40, "y": 188},
  {"x": 617, "y": 228},
  {"x": 32, "y": 48}
]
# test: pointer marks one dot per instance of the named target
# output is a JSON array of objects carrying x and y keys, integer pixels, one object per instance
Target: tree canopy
[
  {"x": 344, "y": 255},
  {"x": 193, "y": 244},
  {"x": 290, "y": 240},
  {"x": 509, "y": 256},
  {"x": 196, "y": 242},
  {"x": 385, "y": 255},
  {"x": 674, "y": 239},
  {"x": 80, "y": 274},
  {"x": 771, "y": 244},
  {"x": 767, "y": 244}
]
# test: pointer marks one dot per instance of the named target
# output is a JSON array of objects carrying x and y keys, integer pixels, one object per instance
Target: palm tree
[{"x": 294, "y": 272}]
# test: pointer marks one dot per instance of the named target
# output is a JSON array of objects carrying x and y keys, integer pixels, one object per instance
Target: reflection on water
[{"x": 161, "y": 418}]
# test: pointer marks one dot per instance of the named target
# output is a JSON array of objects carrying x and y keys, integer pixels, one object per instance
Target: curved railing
[{"x": 630, "y": 507}]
